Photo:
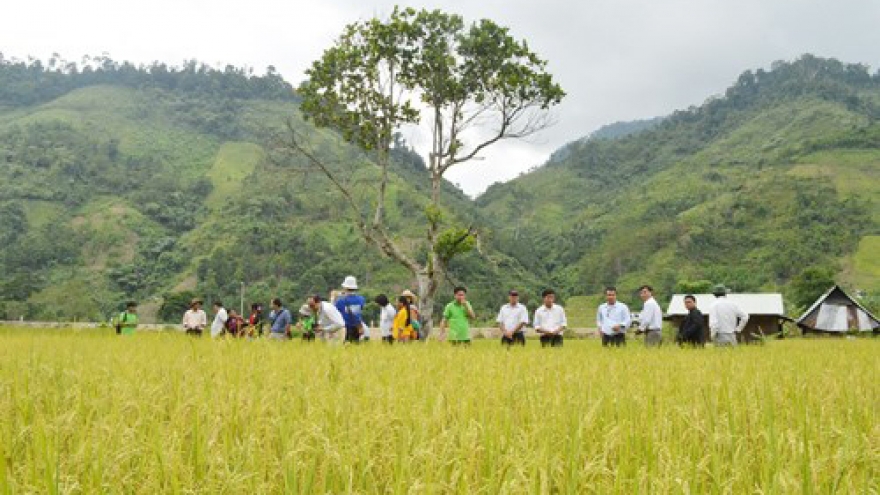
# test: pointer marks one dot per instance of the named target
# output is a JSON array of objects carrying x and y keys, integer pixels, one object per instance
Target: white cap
[{"x": 350, "y": 283}]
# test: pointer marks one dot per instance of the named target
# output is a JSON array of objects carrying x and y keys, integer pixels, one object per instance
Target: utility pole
[{"x": 241, "y": 309}]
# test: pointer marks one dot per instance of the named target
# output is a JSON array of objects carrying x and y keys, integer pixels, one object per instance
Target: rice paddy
[{"x": 89, "y": 412}]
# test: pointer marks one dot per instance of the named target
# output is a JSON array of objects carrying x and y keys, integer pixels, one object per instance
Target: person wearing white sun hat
[{"x": 351, "y": 305}]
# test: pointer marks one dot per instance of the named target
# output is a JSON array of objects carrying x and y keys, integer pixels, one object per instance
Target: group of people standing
[
  {"x": 342, "y": 318},
  {"x": 614, "y": 319}
]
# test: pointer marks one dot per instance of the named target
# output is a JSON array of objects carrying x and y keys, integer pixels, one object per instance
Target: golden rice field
[{"x": 86, "y": 412}]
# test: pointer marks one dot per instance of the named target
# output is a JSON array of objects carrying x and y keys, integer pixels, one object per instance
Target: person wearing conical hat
[
  {"x": 414, "y": 313},
  {"x": 402, "y": 330},
  {"x": 351, "y": 305}
]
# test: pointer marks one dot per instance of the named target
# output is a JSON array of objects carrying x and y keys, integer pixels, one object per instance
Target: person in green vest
[
  {"x": 306, "y": 323},
  {"x": 127, "y": 321},
  {"x": 457, "y": 317}
]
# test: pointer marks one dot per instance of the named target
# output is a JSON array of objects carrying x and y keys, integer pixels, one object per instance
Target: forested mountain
[
  {"x": 616, "y": 130},
  {"x": 159, "y": 183},
  {"x": 774, "y": 181}
]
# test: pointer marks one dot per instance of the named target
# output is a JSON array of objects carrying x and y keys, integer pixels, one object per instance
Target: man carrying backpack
[
  {"x": 281, "y": 321},
  {"x": 127, "y": 321}
]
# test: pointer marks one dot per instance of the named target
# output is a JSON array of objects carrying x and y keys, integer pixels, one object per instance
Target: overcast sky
[{"x": 616, "y": 59}]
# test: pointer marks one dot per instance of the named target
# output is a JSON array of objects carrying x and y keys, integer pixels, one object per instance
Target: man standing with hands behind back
[
  {"x": 726, "y": 319},
  {"x": 651, "y": 318},
  {"x": 613, "y": 319}
]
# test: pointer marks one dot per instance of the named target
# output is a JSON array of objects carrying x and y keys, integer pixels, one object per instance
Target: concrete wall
[{"x": 487, "y": 333}]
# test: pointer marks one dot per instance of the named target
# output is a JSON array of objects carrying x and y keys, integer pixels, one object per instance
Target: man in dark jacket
[{"x": 692, "y": 329}]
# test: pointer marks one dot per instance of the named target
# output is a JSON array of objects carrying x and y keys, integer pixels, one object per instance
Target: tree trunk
[{"x": 426, "y": 304}]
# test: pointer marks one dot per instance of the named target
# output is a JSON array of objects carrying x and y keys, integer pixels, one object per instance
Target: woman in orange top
[
  {"x": 403, "y": 330},
  {"x": 413, "y": 313}
]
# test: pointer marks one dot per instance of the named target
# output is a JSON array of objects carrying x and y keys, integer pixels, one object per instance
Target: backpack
[
  {"x": 123, "y": 317},
  {"x": 232, "y": 325}
]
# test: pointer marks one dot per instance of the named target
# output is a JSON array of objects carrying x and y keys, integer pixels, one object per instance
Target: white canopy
[{"x": 753, "y": 304}]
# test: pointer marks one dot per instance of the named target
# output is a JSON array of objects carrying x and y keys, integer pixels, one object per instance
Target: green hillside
[
  {"x": 780, "y": 174},
  {"x": 160, "y": 183},
  {"x": 133, "y": 188}
]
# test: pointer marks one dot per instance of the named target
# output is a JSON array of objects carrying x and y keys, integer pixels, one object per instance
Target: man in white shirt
[
  {"x": 195, "y": 320},
  {"x": 550, "y": 321},
  {"x": 726, "y": 319},
  {"x": 328, "y": 319},
  {"x": 512, "y": 320},
  {"x": 651, "y": 318},
  {"x": 386, "y": 318},
  {"x": 220, "y": 317},
  {"x": 613, "y": 319}
]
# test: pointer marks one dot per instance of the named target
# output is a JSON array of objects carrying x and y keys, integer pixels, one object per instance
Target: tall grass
[{"x": 160, "y": 413}]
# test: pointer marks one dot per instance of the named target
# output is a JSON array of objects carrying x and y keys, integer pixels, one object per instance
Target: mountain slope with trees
[
  {"x": 131, "y": 186},
  {"x": 158, "y": 184},
  {"x": 779, "y": 175}
]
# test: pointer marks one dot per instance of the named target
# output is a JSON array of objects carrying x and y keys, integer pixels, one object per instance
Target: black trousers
[
  {"x": 195, "y": 332},
  {"x": 308, "y": 336},
  {"x": 353, "y": 334},
  {"x": 551, "y": 340},
  {"x": 388, "y": 340},
  {"x": 691, "y": 339},
  {"x": 517, "y": 338},
  {"x": 616, "y": 340}
]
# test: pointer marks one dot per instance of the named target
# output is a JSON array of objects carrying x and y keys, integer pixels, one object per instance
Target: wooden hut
[
  {"x": 837, "y": 313},
  {"x": 766, "y": 312}
]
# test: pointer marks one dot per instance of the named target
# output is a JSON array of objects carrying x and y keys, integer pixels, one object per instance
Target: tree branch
[{"x": 375, "y": 233}]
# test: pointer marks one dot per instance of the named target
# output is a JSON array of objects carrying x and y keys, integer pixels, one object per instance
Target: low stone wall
[
  {"x": 477, "y": 333},
  {"x": 494, "y": 333},
  {"x": 79, "y": 325}
]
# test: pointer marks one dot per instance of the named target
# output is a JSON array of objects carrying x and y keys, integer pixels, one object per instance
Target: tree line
[{"x": 34, "y": 81}]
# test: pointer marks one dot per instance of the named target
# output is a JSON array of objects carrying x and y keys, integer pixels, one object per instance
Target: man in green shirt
[
  {"x": 127, "y": 321},
  {"x": 456, "y": 318}
]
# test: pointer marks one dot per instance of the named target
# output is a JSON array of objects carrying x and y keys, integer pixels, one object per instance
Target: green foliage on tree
[
  {"x": 423, "y": 66},
  {"x": 809, "y": 284}
]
